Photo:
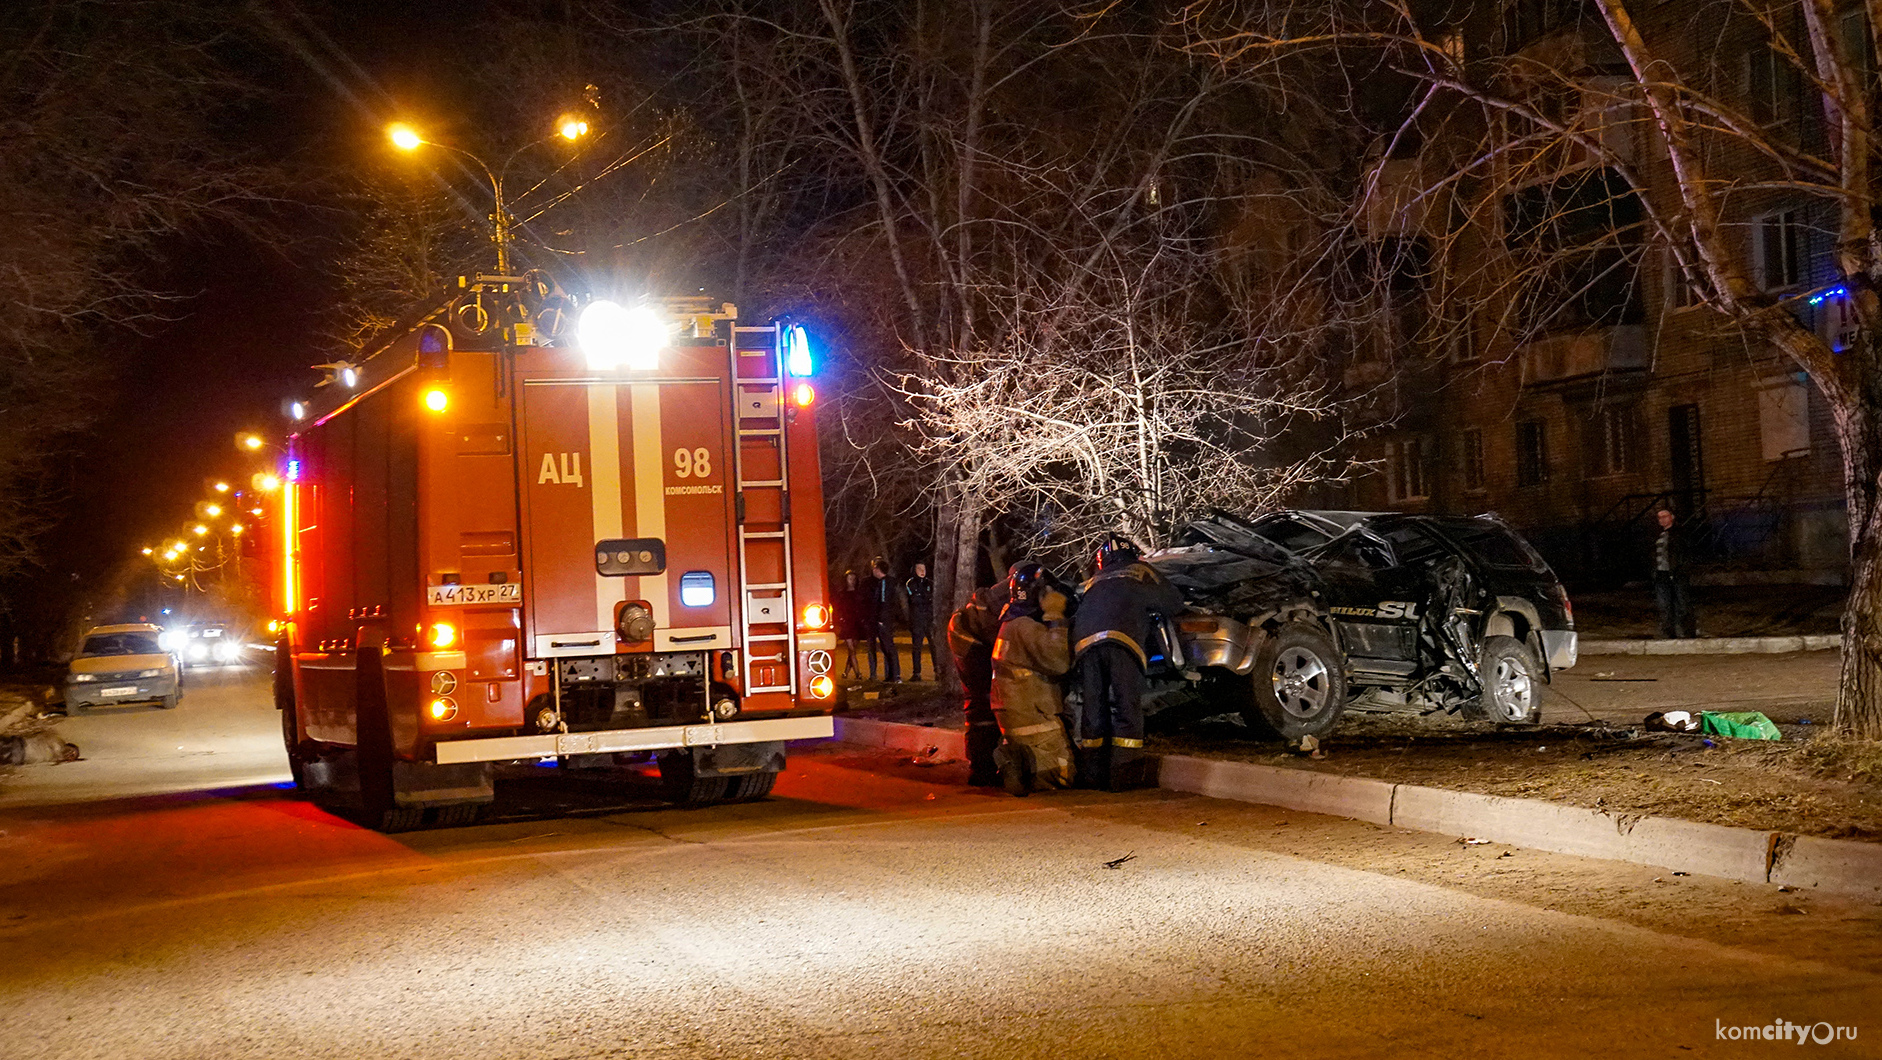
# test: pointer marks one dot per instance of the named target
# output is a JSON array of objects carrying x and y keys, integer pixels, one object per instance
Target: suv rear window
[
  {"x": 1290, "y": 534},
  {"x": 121, "y": 644},
  {"x": 1494, "y": 545}
]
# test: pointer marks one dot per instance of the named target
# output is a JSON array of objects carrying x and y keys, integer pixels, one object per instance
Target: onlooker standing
[
  {"x": 883, "y": 600},
  {"x": 1671, "y": 583},
  {"x": 920, "y": 591},
  {"x": 854, "y": 621}
]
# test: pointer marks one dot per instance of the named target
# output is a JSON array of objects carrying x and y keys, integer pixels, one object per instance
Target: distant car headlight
[
  {"x": 199, "y": 650},
  {"x": 151, "y": 673},
  {"x": 81, "y": 677},
  {"x": 227, "y": 651}
]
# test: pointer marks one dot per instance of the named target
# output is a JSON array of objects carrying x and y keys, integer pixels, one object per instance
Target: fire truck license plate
[{"x": 447, "y": 595}]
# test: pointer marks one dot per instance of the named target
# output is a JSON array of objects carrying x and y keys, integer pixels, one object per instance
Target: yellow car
[{"x": 122, "y": 664}]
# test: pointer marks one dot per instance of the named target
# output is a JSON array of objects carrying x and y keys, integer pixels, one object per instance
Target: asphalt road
[{"x": 872, "y": 908}]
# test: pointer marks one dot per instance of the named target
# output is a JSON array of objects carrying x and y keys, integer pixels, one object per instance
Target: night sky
[{"x": 248, "y": 323}]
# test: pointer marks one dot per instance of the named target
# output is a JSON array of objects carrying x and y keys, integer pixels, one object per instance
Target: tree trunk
[
  {"x": 1859, "y": 694},
  {"x": 956, "y": 548}
]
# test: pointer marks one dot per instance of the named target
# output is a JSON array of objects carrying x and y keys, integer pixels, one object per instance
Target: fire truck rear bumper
[{"x": 512, "y": 748}]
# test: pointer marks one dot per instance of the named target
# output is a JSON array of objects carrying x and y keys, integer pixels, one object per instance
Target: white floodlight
[{"x": 612, "y": 336}]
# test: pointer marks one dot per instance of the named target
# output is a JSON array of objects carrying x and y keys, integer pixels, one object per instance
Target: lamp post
[{"x": 406, "y": 138}]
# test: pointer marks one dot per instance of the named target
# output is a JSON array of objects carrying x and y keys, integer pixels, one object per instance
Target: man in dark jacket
[
  {"x": 971, "y": 633},
  {"x": 919, "y": 589},
  {"x": 1671, "y": 584},
  {"x": 1109, "y": 636},
  {"x": 886, "y": 599}
]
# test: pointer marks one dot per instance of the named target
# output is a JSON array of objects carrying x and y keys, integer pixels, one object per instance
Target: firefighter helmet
[{"x": 1116, "y": 551}]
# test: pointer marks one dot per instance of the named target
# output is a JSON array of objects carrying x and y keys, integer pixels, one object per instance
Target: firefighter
[
  {"x": 1109, "y": 636},
  {"x": 1030, "y": 657},
  {"x": 971, "y": 633}
]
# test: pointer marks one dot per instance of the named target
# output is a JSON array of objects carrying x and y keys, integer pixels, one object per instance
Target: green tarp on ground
[{"x": 1747, "y": 725}]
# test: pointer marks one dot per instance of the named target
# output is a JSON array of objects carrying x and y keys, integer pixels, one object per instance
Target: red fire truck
[{"x": 529, "y": 529}]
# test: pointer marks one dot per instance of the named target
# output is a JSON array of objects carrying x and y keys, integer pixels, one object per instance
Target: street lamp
[{"x": 406, "y": 138}]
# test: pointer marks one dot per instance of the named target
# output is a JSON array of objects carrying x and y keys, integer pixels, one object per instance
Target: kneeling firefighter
[
  {"x": 1115, "y": 616},
  {"x": 971, "y": 633},
  {"x": 1032, "y": 653}
]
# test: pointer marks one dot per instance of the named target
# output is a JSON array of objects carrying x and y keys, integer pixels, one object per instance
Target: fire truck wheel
[
  {"x": 459, "y": 814},
  {"x": 169, "y": 702},
  {"x": 685, "y": 787},
  {"x": 400, "y": 819},
  {"x": 751, "y": 787}
]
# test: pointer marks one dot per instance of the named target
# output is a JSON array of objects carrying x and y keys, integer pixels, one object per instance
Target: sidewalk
[{"x": 1748, "y": 854}]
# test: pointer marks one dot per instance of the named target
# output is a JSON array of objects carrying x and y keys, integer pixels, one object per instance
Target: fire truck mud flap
[
  {"x": 425, "y": 784},
  {"x": 724, "y": 737}
]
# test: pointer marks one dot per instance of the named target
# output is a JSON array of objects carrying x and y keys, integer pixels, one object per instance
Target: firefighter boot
[
  {"x": 1015, "y": 765},
  {"x": 983, "y": 739}
]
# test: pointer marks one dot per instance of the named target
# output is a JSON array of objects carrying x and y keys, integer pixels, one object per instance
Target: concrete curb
[
  {"x": 1679, "y": 846},
  {"x": 1714, "y": 645},
  {"x": 948, "y": 743}
]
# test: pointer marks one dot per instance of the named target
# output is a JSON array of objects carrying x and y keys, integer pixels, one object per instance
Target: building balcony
[{"x": 1584, "y": 354}]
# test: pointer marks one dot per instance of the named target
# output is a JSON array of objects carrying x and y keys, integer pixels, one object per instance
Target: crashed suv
[{"x": 1301, "y": 615}]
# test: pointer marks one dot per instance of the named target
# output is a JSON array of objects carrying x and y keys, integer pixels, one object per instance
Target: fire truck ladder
[{"x": 770, "y": 638}]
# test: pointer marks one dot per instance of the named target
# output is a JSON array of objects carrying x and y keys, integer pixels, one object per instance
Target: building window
[
  {"x": 1532, "y": 453},
  {"x": 1614, "y": 441},
  {"x": 1773, "y": 87},
  {"x": 1471, "y": 441},
  {"x": 1680, "y": 293},
  {"x": 1576, "y": 243},
  {"x": 1778, "y": 249},
  {"x": 1405, "y": 470},
  {"x": 1784, "y": 417}
]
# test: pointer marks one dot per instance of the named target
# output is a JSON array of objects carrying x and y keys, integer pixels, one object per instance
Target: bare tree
[
  {"x": 110, "y": 144},
  {"x": 1555, "y": 146}
]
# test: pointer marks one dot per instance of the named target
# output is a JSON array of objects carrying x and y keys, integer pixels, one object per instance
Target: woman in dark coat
[{"x": 855, "y": 619}]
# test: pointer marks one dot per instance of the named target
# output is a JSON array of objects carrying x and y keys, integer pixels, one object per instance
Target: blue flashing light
[
  {"x": 697, "y": 588},
  {"x": 797, "y": 360},
  {"x": 1834, "y": 292},
  {"x": 294, "y": 471}
]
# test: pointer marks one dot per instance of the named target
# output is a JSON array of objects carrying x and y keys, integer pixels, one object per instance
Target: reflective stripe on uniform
[
  {"x": 982, "y": 724},
  {"x": 1125, "y": 741},
  {"x": 1117, "y": 637},
  {"x": 1030, "y": 730},
  {"x": 1090, "y": 744}
]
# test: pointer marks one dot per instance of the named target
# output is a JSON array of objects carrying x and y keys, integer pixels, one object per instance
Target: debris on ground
[
  {"x": 1471, "y": 841},
  {"x": 1117, "y": 863},
  {"x": 1309, "y": 746},
  {"x": 1671, "y": 721}
]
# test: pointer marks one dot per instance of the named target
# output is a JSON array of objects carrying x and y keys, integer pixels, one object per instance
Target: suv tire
[
  {"x": 1512, "y": 692},
  {"x": 1298, "y": 685}
]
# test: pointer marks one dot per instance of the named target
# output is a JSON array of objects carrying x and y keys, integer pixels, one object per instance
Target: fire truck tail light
[
  {"x": 443, "y": 708},
  {"x": 821, "y": 686},
  {"x": 816, "y": 616},
  {"x": 697, "y": 589},
  {"x": 803, "y": 394},
  {"x": 437, "y": 400},
  {"x": 441, "y": 635}
]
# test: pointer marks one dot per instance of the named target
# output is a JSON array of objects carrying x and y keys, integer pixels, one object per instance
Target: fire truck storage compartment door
[{"x": 607, "y": 461}]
